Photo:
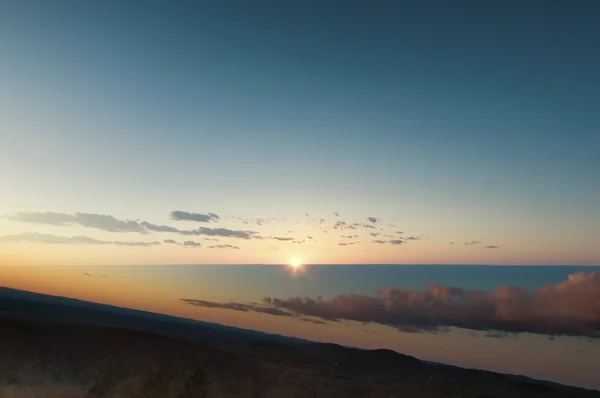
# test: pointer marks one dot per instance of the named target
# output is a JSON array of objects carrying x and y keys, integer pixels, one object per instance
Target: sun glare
[{"x": 295, "y": 266}]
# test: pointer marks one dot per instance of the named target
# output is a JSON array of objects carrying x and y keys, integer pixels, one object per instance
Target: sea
[{"x": 220, "y": 294}]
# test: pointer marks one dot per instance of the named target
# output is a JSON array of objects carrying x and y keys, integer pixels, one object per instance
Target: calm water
[{"x": 253, "y": 282}]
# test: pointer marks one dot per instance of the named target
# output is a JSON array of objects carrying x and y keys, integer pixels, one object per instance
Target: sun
[{"x": 295, "y": 264}]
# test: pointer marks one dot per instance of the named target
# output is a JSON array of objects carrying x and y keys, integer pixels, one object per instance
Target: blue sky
[{"x": 463, "y": 121}]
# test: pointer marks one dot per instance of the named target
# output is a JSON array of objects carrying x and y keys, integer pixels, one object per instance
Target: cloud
[
  {"x": 158, "y": 228},
  {"x": 396, "y": 242},
  {"x": 571, "y": 307},
  {"x": 342, "y": 225},
  {"x": 493, "y": 247},
  {"x": 399, "y": 232},
  {"x": 471, "y": 243},
  {"x": 373, "y": 220},
  {"x": 381, "y": 242},
  {"x": 349, "y": 236},
  {"x": 52, "y": 239},
  {"x": 497, "y": 334},
  {"x": 179, "y": 215},
  {"x": 315, "y": 321},
  {"x": 375, "y": 234},
  {"x": 335, "y": 213},
  {"x": 68, "y": 240},
  {"x": 89, "y": 220},
  {"x": 223, "y": 232},
  {"x": 242, "y": 307},
  {"x": 413, "y": 238},
  {"x": 347, "y": 243},
  {"x": 136, "y": 244},
  {"x": 223, "y": 247},
  {"x": 187, "y": 243},
  {"x": 281, "y": 239},
  {"x": 451, "y": 243}
]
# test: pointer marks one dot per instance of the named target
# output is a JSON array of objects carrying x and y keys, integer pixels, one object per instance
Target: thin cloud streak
[
  {"x": 88, "y": 220},
  {"x": 33, "y": 237},
  {"x": 242, "y": 307},
  {"x": 223, "y": 247},
  {"x": 179, "y": 215},
  {"x": 222, "y": 232}
]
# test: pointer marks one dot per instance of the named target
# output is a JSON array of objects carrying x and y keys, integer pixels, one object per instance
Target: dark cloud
[
  {"x": 375, "y": 234},
  {"x": 315, "y": 321},
  {"x": 396, "y": 242},
  {"x": 89, "y": 220},
  {"x": 170, "y": 241},
  {"x": 158, "y": 228},
  {"x": 223, "y": 232},
  {"x": 399, "y": 232},
  {"x": 223, "y": 247},
  {"x": 179, "y": 215},
  {"x": 492, "y": 247},
  {"x": 349, "y": 236},
  {"x": 347, "y": 243},
  {"x": 335, "y": 213},
  {"x": 373, "y": 220},
  {"x": 367, "y": 226},
  {"x": 342, "y": 225},
  {"x": 86, "y": 274},
  {"x": 471, "y": 243},
  {"x": 571, "y": 307},
  {"x": 242, "y": 307},
  {"x": 497, "y": 334},
  {"x": 381, "y": 242},
  {"x": 451, "y": 243}
]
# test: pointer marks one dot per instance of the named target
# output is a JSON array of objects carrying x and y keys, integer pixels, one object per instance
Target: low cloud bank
[
  {"x": 571, "y": 307},
  {"x": 568, "y": 308}
]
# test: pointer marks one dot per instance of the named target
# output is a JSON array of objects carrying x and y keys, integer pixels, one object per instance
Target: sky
[{"x": 462, "y": 133}]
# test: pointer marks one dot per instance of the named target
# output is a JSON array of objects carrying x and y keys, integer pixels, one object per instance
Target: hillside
[{"x": 61, "y": 359}]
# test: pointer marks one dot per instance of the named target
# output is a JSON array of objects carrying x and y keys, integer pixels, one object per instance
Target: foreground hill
[{"x": 60, "y": 359}]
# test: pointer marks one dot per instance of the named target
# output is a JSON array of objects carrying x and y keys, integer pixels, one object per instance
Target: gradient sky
[{"x": 449, "y": 121}]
